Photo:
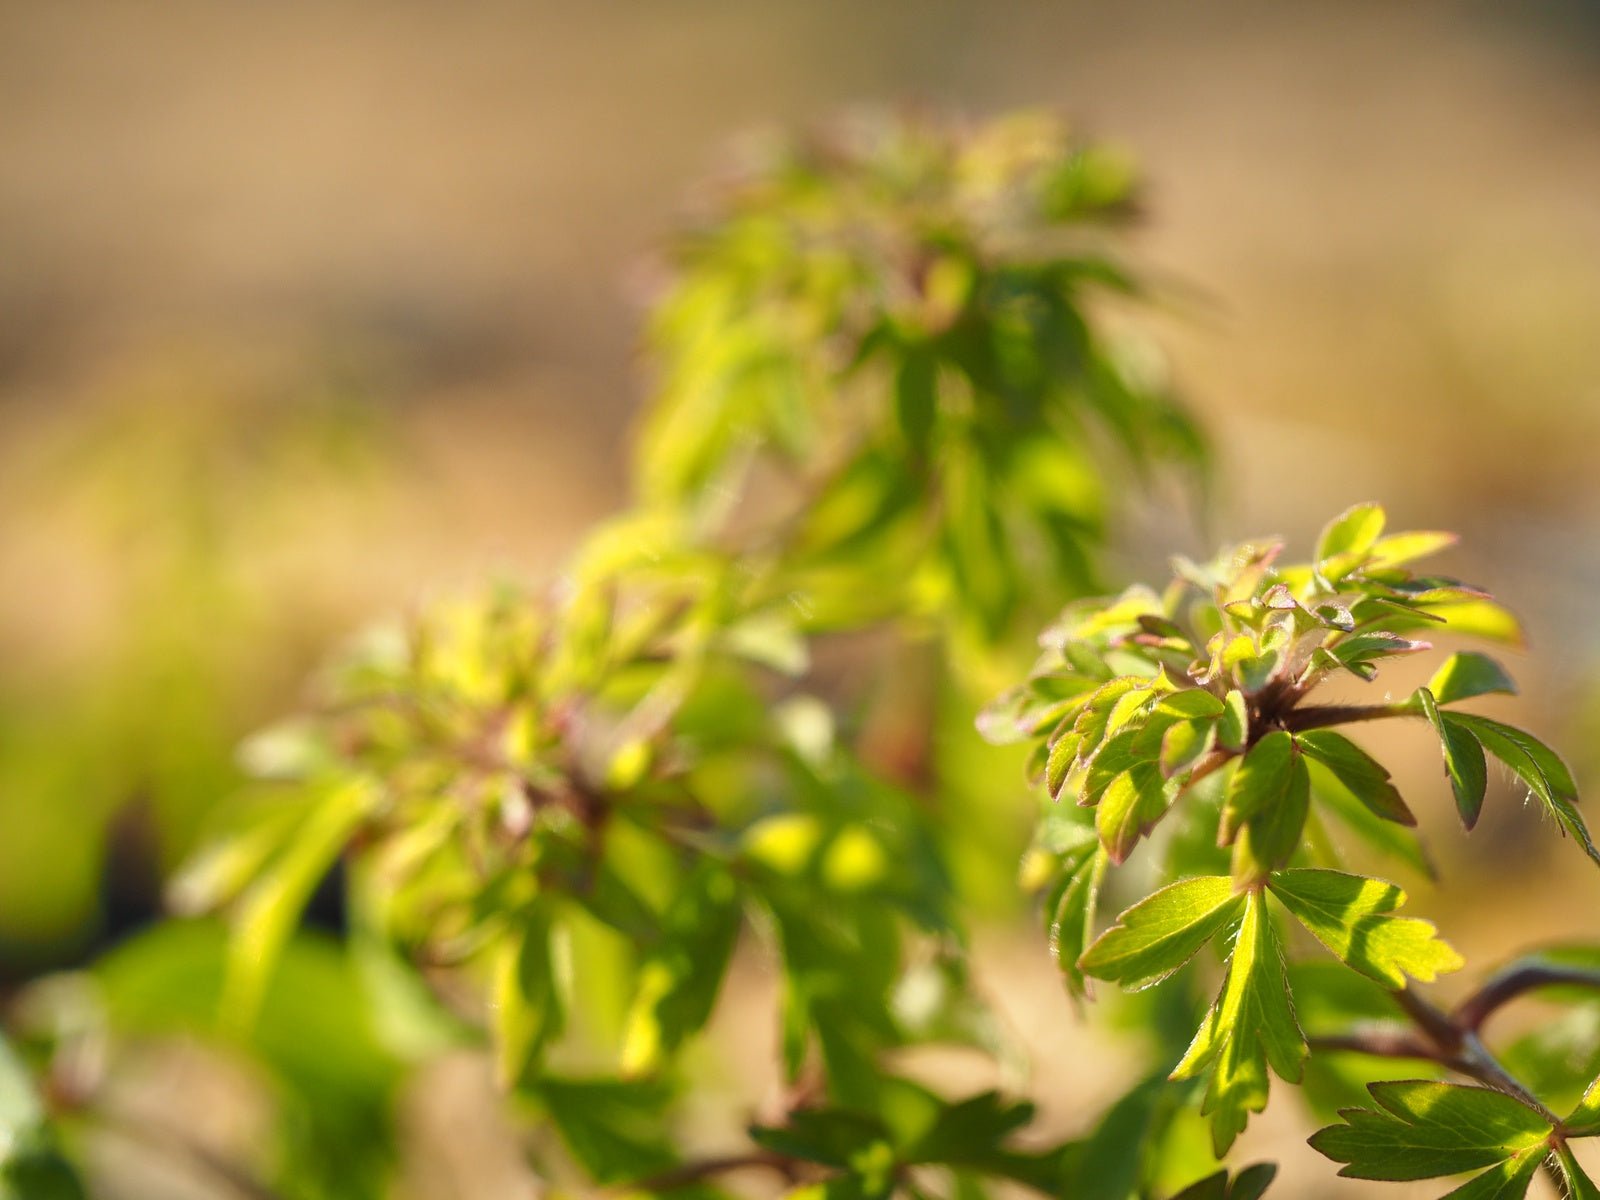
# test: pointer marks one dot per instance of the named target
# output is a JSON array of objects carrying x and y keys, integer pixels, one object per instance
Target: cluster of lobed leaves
[
  {"x": 883, "y": 415},
  {"x": 1184, "y": 717}
]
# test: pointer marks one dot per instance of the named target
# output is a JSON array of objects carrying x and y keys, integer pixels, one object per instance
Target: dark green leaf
[
  {"x": 1425, "y": 1129},
  {"x": 679, "y": 983},
  {"x": 830, "y": 1136},
  {"x": 1271, "y": 837},
  {"x": 612, "y": 1127},
  {"x": 1506, "y": 1180},
  {"x": 527, "y": 1009},
  {"x": 1463, "y": 759},
  {"x": 1249, "y": 1184},
  {"x": 1366, "y": 778},
  {"x": 1258, "y": 782},
  {"x": 970, "y": 1133}
]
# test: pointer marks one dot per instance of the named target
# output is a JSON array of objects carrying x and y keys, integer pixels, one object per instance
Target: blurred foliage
[
  {"x": 890, "y": 327},
  {"x": 564, "y": 808},
  {"x": 155, "y": 507},
  {"x": 893, "y": 409}
]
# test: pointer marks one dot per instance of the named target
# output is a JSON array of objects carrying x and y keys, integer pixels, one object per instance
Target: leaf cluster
[
  {"x": 1194, "y": 707},
  {"x": 880, "y": 396},
  {"x": 891, "y": 324}
]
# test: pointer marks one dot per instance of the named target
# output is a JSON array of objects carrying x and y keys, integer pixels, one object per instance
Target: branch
[
  {"x": 1383, "y": 1041},
  {"x": 1445, "y": 1040},
  {"x": 1321, "y": 716},
  {"x": 1508, "y": 984},
  {"x": 710, "y": 1168}
]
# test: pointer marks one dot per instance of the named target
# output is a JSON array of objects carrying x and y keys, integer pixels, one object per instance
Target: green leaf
[
  {"x": 612, "y": 1127},
  {"x": 1468, "y": 674},
  {"x": 1584, "y": 1121},
  {"x": 1349, "y": 914},
  {"x": 1347, "y": 539},
  {"x": 1366, "y": 778},
  {"x": 1249, "y": 1184},
  {"x": 1059, "y": 764},
  {"x": 1191, "y": 704},
  {"x": 270, "y": 908},
  {"x": 527, "y": 1010},
  {"x": 1249, "y": 1028},
  {"x": 1258, "y": 782},
  {"x": 1072, "y": 923},
  {"x": 679, "y": 983},
  {"x": 1130, "y": 807},
  {"x": 830, "y": 1136},
  {"x": 1536, "y": 765},
  {"x": 1463, "y": 759},
  {"x": 1476, "y": 617},
  {"x": 1272, "y": 836},
  {"x": 1576, "y": 1184},
  {"x": 1508, "y": 1180},
  {"x": 31, "y": 1167},
  {"x": 1400, "y": 548},
  {"x": 1158, "y": 935},
  {"x": 1425, "y": 1129},
  {"x": 1234, "y": 724},
  {"x": 1183, "y": 745}
]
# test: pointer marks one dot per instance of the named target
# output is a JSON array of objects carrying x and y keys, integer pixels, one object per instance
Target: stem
[
  {"x": 1212, "y": 761},
  {"x": 1512, "y": 982},
  {"x": 202, "y": 1161},
  {"x": 1320, "y": 716},
  {"x": 1380, "y": 1040},
  {"x": 1444, "y": 1039},
  {"x": 710, "y": 1168}
]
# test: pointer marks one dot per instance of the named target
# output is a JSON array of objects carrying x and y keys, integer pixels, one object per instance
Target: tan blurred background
[{"x": 307, "y": 310}]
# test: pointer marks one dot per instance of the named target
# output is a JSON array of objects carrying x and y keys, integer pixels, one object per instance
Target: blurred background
[{"x": 308, "y": 311}]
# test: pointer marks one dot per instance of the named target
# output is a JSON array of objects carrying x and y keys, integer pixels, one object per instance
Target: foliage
[
  {"x": 894, "y": 321},
  {"x": 886, "y": 393},
  {"x": 1201, "y": 696}
]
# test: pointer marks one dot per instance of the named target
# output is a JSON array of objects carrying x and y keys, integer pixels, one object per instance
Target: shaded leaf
[
  {"x": 1249, "y": 1184},
  {"x": 527, "y": 1009},
  {"x": 1132, "y": 804},
  {"x": 1425, "y": 1129},
  {"x": 1366, "y": 778},
  {"x": 1463, "y": 759}
]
